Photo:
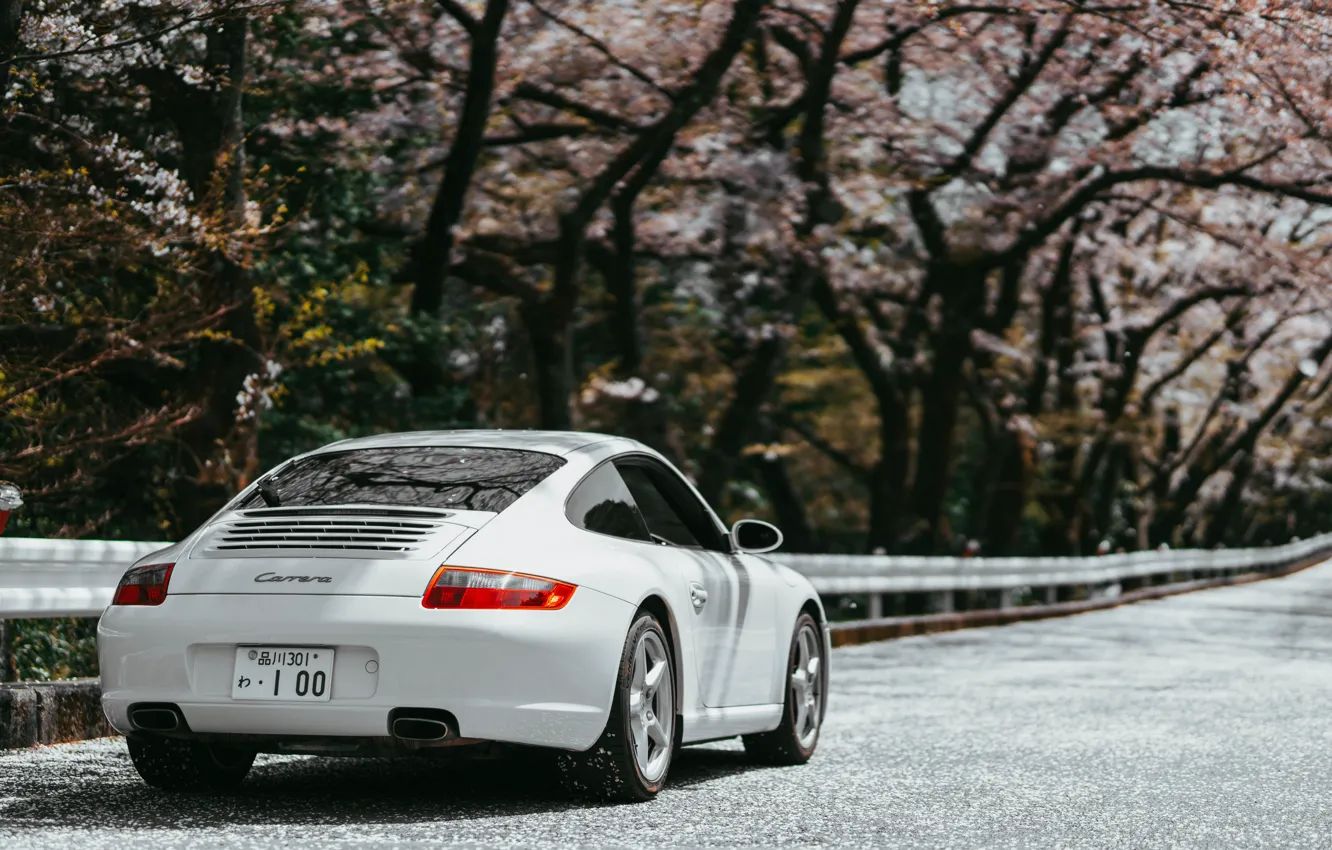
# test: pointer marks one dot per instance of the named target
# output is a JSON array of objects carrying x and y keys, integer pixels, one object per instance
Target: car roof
[{"x": 551, "y": 442}]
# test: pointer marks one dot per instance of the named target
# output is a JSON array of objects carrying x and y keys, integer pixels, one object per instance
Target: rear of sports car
[{"x": 326, "y": 613}]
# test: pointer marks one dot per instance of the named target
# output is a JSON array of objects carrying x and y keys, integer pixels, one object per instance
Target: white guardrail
[{"x": 75, "y": 578}]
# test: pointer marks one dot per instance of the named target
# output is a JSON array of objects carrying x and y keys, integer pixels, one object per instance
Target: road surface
[{"x": 1199, "y": 721}]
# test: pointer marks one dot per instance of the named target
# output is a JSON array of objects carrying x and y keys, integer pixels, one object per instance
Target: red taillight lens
[
  {"x": 143, "y": 585},
  {"x": 459, "y": 587}
]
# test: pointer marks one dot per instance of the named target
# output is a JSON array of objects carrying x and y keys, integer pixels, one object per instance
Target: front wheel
[
  {"x": 633, "y": 755},
  {"x": 174, "y": 765},
  {"x": 793, "y": 742}
]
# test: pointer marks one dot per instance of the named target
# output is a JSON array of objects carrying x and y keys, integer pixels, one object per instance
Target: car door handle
[{"x": 697, "y": 595}]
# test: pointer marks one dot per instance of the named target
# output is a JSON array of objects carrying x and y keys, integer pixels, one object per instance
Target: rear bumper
[{"x": 543, "y": 678}]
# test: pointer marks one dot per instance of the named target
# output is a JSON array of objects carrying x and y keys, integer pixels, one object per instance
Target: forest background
[{"x": 1045, "y": 275}]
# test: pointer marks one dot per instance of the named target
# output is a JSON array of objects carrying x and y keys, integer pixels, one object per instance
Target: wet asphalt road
[{"x": 1200, "y": 721}]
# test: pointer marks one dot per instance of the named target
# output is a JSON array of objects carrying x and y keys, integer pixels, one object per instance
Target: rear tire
[
  {"x": 174, "y": 765},
  {"x": 630, "y": 760},
  {"x": 795, "y": 740}
]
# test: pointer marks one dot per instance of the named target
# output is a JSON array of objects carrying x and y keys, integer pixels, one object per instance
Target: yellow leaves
[
  {"x": 315, "y": 334},
  {"x": 306, "y": 335},
  {"x": 343, "y": 352},
  {"x": 211, "y": 335},
  {"x": 264, "y": 305}
]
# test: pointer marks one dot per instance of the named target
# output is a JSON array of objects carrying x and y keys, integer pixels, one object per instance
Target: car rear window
[{"x": 419, "y": 476}]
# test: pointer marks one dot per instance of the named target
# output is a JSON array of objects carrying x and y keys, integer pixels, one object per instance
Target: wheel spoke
[
  {"x": 653, "y": 677},
  {"x": 640, "y": 732},
  {"x": 812, "y": 669},
  {"x": 657, "y": 733},
  {"x": 800, "y": 683},
  {"x": 640, "y": 668},
  {"x": 802, "y": 717}
]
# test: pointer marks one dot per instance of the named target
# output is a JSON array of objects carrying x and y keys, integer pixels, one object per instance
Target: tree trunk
[
  {"x": 1061, "y": 533},
  {"x": 940, "y": 399},
  {"x": 642, "y": 419},
  {"x": 223, "y": 366},
  {"x": 787, "y": 505},
  {"x": 11, "y": 25},
  {"x": 1102, "y": 509},
  {"x": 7, "y": 671},
  {"x": 1057, "y": 329},
  {"x": 1221, "y": 525},
  {"x": 431, "y": 256},
  {"x": 550, "y": 364},
  {"x": 888, "y": 490},
  {"x": 753, "y": 385},
  {"x": 1008, "y": 500}
]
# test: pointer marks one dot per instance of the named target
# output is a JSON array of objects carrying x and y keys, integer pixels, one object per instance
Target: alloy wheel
[
  {"x": 807, "y": 686},
  {"x": 651, "y": 706}
]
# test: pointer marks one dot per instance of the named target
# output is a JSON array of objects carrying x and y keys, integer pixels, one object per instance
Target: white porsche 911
[{"x": 466, "y": 589}]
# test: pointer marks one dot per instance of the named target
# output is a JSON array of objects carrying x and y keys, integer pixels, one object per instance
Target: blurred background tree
[{"x": 898, "y": 278}]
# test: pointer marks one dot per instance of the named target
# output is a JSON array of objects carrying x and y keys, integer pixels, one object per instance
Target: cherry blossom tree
[
  {"x": 1043, "y": 274},
  {"x": 123, "y": 198},
  {"x": 1005, "y": 128}
]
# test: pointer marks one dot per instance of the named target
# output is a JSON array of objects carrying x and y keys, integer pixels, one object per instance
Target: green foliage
[{"x": 54, "y": 649}]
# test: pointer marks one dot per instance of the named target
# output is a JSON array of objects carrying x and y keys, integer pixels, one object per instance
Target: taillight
[
  {"x": 143, "y": 585},
  {"x": 460, "y": 587}
]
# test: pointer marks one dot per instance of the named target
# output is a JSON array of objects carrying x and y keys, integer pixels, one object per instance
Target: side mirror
[{"x": 755, "y": 536}]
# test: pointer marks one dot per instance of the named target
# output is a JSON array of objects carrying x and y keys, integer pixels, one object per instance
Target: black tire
[
  {"x": 783, "y": 745},
  {"x": 609, "y": 769},
  {"x": 174, "y": 765}
]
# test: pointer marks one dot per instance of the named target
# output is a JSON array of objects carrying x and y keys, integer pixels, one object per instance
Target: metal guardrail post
[{"x": 876, "y": 606}]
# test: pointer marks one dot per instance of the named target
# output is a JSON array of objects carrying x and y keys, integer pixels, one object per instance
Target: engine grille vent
[
  {"x": 321, "y": 513},
  {"x": 344, "y": 532}
]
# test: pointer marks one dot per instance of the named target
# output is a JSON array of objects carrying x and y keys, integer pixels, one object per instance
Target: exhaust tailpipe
[
  {"x": 157, "y": 718},
  {"x": 422, "y": 726},
  {"x": 420, "y": 730}
]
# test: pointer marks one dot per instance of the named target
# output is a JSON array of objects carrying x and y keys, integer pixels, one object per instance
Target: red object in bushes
[{"x": 11, "y": 498}]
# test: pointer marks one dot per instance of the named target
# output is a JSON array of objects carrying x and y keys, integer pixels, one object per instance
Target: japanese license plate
[{"x": 293, "y": 673}]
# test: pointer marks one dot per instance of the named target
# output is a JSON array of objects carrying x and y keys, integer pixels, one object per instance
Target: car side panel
[
  {"x": 792, "y": 591},
  {"x": 760, "y": 627},
  {"x": 534, "y": 536}
]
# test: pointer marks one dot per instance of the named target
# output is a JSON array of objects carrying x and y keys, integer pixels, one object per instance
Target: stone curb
[
  {"x": 891, "y": 628},
  {"x": 33, "y": 713}
]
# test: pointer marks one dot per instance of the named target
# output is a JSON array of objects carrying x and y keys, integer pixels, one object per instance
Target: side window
[
  {"x": 602, "y": 503},
  {"x": 663, "y": 520}
]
